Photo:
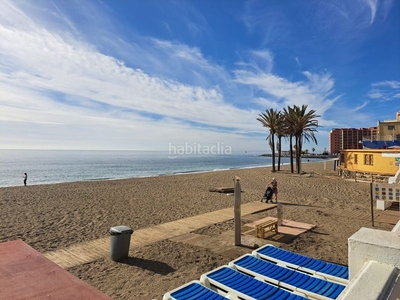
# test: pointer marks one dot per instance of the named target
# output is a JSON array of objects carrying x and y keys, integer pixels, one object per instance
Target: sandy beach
[{"x": 51, "y": 217}]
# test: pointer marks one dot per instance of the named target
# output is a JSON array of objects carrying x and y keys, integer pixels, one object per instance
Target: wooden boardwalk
[
  {"x": 354, "y": 214},
  {"x": 93, "y": 250},
  {"x": 389, "y": 216}
]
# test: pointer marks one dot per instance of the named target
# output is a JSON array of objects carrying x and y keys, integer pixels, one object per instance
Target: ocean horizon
[{"x": 58, "y": 166}]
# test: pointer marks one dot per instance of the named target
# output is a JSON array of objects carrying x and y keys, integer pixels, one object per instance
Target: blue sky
[{"x": 140, "y": 75}]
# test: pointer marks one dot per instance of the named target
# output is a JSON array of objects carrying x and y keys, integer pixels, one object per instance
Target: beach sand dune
[{"x": 51, "y": 217}]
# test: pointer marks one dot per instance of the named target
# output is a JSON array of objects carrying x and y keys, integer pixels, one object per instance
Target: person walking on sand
[
  {"x": 25, "y": 178},
  {"x": 274, "y": 184}
]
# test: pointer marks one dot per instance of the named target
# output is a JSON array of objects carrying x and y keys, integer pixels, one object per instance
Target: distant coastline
[{"x": 317, "y": 156}]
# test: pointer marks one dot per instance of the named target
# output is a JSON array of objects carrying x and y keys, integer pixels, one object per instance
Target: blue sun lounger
[
  {"x": 193, "y": 290},
  {"x": 288, "y": 278},
  {"x": 329, "y": 271},
  {"x": 226, "y": 280}
]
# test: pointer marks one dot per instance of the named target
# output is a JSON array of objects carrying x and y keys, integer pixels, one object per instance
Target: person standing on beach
[
  {"x": 25, "y": 178},
  {"x": 274, "y": 184}
]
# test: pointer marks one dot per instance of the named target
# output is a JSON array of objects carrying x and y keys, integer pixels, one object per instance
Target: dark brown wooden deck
[{"x": 390, "y": 215}]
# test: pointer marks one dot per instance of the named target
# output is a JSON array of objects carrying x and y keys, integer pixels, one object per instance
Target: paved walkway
[
  {"x": 93, "y": 250},
  {"x": 26, "y": 274}
]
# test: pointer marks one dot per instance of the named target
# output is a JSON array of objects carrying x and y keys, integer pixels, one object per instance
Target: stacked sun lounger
[
  {"x": 287, "y": 278},
  {"x": 226, "y": 279},
  {"x": 193, "y": 290},
  {"x": 330, "y": 271},
  {"x": 283, "y": 275}
]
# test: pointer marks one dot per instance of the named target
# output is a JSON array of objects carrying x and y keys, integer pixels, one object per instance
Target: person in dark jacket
[{"x": 274, "y": 184}]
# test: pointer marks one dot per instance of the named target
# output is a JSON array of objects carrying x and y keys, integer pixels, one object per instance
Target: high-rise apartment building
[
  {"x": 349, "y": 138},
  {"x": 386, "y": 134}
]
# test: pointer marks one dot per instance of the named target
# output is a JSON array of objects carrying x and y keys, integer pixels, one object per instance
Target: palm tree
[
  {"x": 280, "y": 132},
  {"x": 313, "y": 150},
  {"x": 289, "y": 121},
  {"x": 305, "y": 128},
  {"x": 270, "y": 120}
]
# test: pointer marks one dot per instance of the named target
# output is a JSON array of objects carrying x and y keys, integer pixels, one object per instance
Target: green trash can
[{"x": 119, "y": 242}]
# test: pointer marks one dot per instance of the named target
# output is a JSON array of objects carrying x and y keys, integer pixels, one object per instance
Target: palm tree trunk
[
  {"x": 300, "y": 147},
  {"x": 297, "y": 155},
  {"x": 291, "y": 153},
  {"x": 273, "y": 154},
  {"x": 279, "y": 152}
]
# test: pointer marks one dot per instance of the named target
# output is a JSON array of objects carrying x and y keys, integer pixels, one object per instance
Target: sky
[{"x": 158, "y": 75}]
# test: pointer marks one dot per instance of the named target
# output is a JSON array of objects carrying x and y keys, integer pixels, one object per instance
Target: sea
[{"x": 57, "y": 166}]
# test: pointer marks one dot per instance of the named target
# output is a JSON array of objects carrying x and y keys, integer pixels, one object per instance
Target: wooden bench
[{"x": 262, "y": 228}]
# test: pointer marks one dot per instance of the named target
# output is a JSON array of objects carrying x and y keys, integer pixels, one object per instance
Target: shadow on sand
[
  {"x": 151, "y": 265},
  {"x": 303, "y": 205},
  {"x": 281, "y": 238}
]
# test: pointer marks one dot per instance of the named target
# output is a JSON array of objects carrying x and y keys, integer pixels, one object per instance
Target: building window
[
  {"x": 390, "y": 127},
  {"x": 355, "y": 159},
  {"x": 368, "y": 159}
]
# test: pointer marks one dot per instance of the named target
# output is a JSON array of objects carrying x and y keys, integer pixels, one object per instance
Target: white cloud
[
  {"x": 183, "y": 62},
  {"x": 389, "y": 83},
  {"x": 313, "y": 92},
  {"x": 364, "y": 104},
  {"x": 264, "y": 60},
  {"x": 378, "y": 6},
  {"x": 297, "y": 61},
  {"x": 372, "y": 4},
  {"x": 59, "y": 85},
  {"x": 77, "y": 70},
  {"x": 374, "y": 94},
  {"x": 341, "y": 20},
  {"x": 384, "y": 90},
  {"x": 267, "y": 103}
]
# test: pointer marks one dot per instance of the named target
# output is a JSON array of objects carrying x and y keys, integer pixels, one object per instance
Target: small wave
[
  {"x": 190, "y": 172},
  {"x": 99, "y": 179}
]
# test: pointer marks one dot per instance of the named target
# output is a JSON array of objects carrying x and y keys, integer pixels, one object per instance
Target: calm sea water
[{"x": 55, "y": 166}]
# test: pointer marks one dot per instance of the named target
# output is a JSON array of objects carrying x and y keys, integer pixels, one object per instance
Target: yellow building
[
  {"x": 372, "y": 161},
  {"x": 389, "y": 130}
]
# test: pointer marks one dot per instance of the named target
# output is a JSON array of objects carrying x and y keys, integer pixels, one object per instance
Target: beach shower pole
[
  {"x": 237, "y": 212},
  {"x": 279, "y": 216}
]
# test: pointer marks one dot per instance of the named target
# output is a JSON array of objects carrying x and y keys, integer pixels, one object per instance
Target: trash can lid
[{"x": 120, "y": 230}]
